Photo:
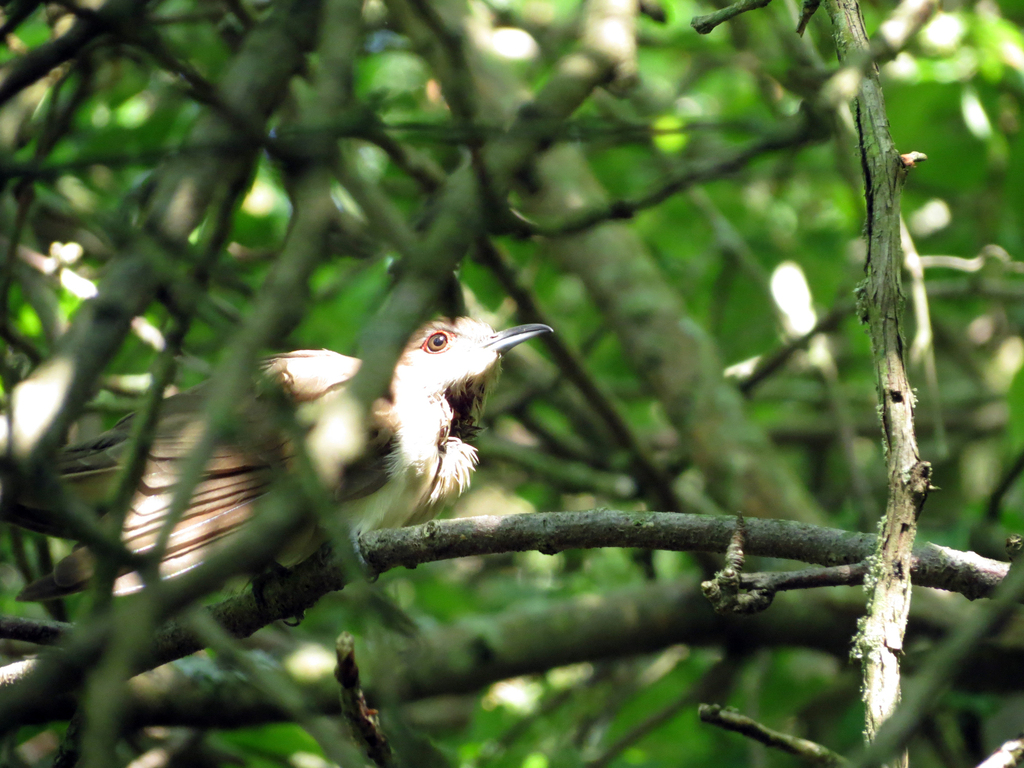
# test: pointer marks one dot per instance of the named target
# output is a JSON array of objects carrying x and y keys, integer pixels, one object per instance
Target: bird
[{"x": 417, "y": 458}]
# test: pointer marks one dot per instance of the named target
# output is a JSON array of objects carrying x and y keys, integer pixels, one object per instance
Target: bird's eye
[{"x": 436, "y": 342}]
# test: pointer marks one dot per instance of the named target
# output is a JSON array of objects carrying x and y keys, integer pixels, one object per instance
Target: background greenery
[{"x": 84, "y": 144}]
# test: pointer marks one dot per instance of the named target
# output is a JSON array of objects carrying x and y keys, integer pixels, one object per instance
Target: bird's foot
[{"x": 368, "y": 571}]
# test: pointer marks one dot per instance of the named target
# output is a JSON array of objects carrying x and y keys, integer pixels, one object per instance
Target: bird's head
[{"x": 458, "y": 360}]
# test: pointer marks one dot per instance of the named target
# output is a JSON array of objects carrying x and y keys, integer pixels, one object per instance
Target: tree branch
[
  {"x": 480, "y": 650},
  {"x": 290, "y": 593},
  {"x": 730, "y": 720},
  {"x": 880, "y": 643},
  {"x": 704, "y": 24}
]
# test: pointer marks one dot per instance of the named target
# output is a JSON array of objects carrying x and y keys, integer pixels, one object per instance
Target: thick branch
[
  {"x": 288, "y": 594},
  {"x": 479, "y": 650}
]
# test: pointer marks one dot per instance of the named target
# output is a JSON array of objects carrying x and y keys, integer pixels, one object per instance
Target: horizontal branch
[
  {"x": 934, "y": 566},
  {"x": 523, "y": 639},
  {"x": 288, "y": 594},
  {"x": 284, "y": 595}
]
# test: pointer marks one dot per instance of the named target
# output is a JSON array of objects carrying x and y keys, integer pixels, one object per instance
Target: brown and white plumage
[{"x": 417, "y": 457}]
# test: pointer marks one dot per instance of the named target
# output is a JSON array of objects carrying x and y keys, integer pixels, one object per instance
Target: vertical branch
[{"x": 881, "y": 634}]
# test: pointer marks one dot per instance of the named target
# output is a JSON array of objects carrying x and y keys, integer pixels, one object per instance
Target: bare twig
[
  {"x": 723, "y": 591},
  {"x": 476, "y": 651},
  {"x": 286, "y": 595},
  {"x": 789, "y": 136},
  {"x": 363, "y": 721},
  {"x": 809, "y": 578},
  {"x": 923, "y": 693},
  {"x": 922, "y": 349},
  {"x": 933, "y": 566},
  {"x": 704, "y": 24},
  {"x": 771, "y": 363},
  {"x": 730, "y": 720},
  {"x": 990, "y": 253},
  {"x": 995, "y": 501}
]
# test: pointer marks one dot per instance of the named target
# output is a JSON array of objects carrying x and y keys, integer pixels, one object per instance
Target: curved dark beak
[{"x": 503, "y": 341}]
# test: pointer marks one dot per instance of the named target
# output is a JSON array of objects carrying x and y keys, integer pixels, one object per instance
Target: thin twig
[
  {"x": 809, "y": 578},
  {"x": 768, "y": 365},
  {"x": 922, "y": 349},
  {"x": 879, "y": 643},
  {"x": 363, "y": 721},
  {"x": 789, "y": 136},
  {"x": 704, "y": 24},
  {"x": 730, "y": 720}
]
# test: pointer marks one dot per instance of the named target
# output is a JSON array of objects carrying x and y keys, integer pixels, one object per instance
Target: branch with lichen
[
  {"x": 880, "y": 642},
  {"x": 284, "y": 595}
]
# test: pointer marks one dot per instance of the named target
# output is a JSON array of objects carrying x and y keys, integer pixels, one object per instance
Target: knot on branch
[
  {"x": 911, "y": 159},
  {"x": 725, "y": 591},
  {"x": 919, "y": 482},
  {"x": 1014, "y": 545}
]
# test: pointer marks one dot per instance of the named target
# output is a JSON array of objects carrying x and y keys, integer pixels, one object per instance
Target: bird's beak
[{"x": 503, "y": 341}]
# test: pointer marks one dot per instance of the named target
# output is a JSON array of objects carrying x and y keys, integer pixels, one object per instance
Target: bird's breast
[{"x": 427, "y": 468}]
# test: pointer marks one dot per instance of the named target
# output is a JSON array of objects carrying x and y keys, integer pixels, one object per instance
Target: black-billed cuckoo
[{"x": 417, "y": 458}]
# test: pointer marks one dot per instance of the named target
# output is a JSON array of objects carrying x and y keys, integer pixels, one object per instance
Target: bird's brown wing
[{"x": 238, "y": 472}]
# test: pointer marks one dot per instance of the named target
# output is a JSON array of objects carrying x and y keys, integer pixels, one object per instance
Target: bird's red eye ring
[{"x": 436, "y": 342}]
